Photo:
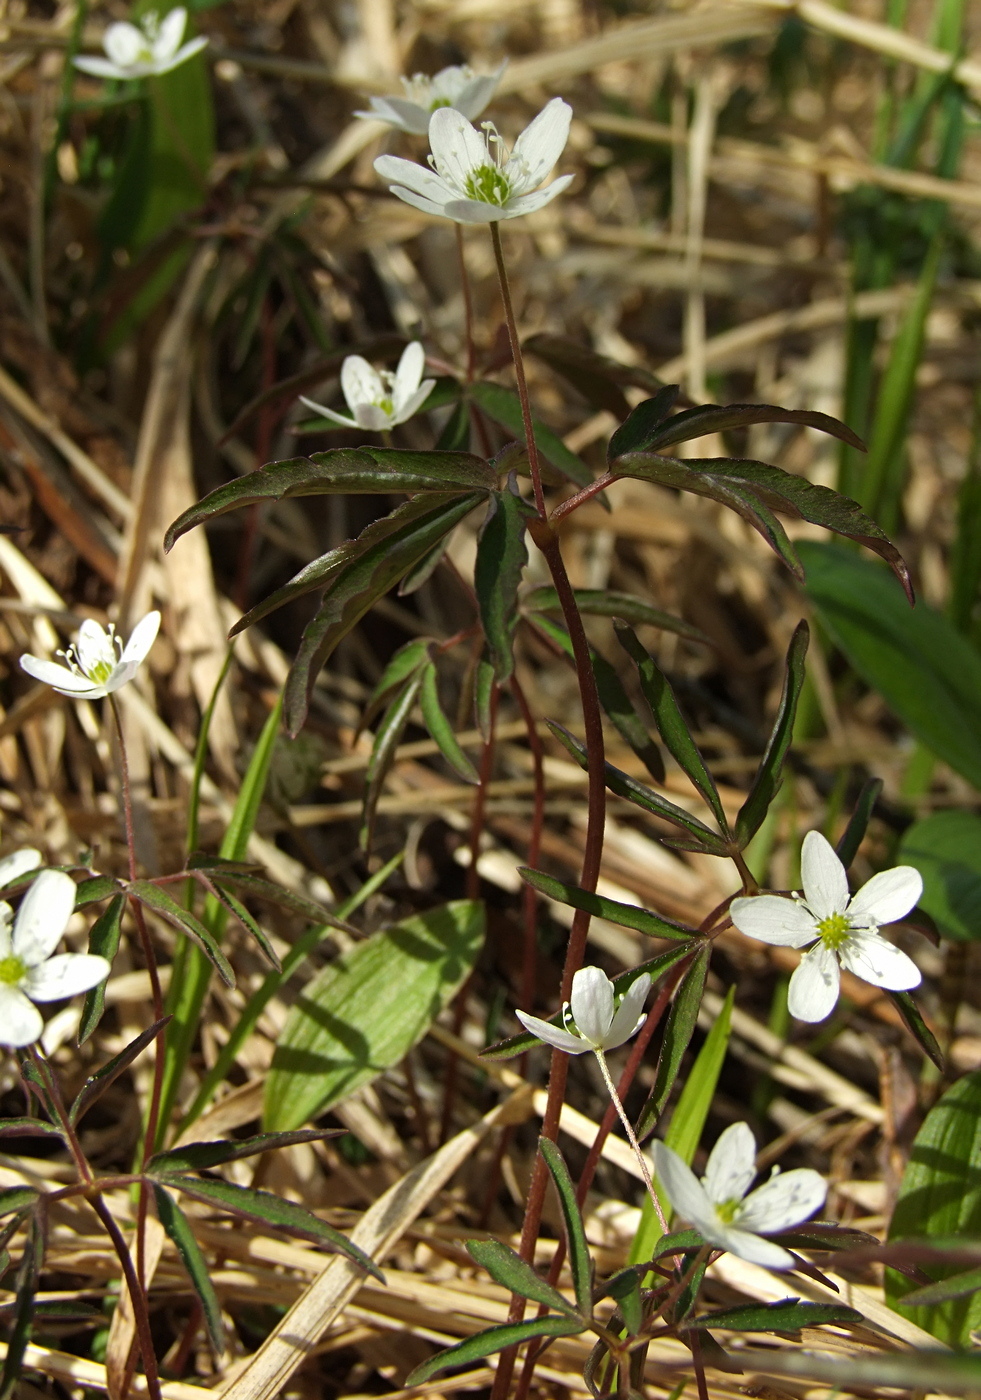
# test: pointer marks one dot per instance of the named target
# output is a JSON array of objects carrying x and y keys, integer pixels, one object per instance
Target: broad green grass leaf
[
  {"x": 493, "y": 1340},
  {"x": 97, "y": 1084},
  {"x": 365, "y": 1011},
  {"x": 627, "y": 915},
  {"x": 182, "y": 143},
  {"x": 604, "y": 602},
  {"x": 511, "y": 1271},
  {"x": 682, "y": 1019},
  {"x": 940, "y": 1196},
  {"x": 770, "y": 773},
  {"x": 501, "y": 558},
  {"x": 103, "y": 940},
  {"x": 504, "y": 406},
  {"x": 928, "y": 674},
  {"x": 181, "y": 1236},
  {"x": 789, "y": 1315},
  {"x": 580, "y": 1264},
  {"x": 440, "y": 729},
  {"x": 945, "y": 848}
]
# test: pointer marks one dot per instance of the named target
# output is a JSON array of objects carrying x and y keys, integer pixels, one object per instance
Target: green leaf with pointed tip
[
  {"x": 404, "y": 664},
  {"x": 788, "y": 1315},
  {"x": 854, "y": 833},
  {"x": 604, "y": 602},
  {"x": 957, "y": 1286},
  {"x": 341, "y": 471},
  {"x": 940, "y": 1197},
  {"x": 635, "y": 431},
  {"x": 387, "y": 738},
  {"x": 181, "y": 1236},
  {"x": 201, "y": 1156},
  {"x": 16, "y": 1198},
  {"x": 602, "y": 907},
  {"x": 98, "y": 888},
  {"x": 704, "y": 839},
  {"x": 271, "y": 1210},
  {"x": 236, "y": 907},
  {"x": 678, "y": 1032},
  {"x": 755, "y": 490},
  {"x": 440, "y": 729},
  {"x": 157, "y": 899},
  {"x": 670, "y": 722},
  {"x": 313, "y": 576},
  {"x": 97, "y": 1084},
  {"x": 104, "y": 941},
  {"x": 501, "y": 558},
  {"x": 597, "y": 377},
  {"x": 918, "y": 1028},
  {"x": 365, "y": 1011},
  {"x": 492, "y": 1340},
  {"x": 411, "y": 532},
  {"x": 770, "y": 772},
  {"x": 28, "y": 1278},
  {"x": 513, "y": 1273},
  {"x": 580, "y": 1264},
  {"x": 28, "y": 1127},
  {"x": 624, "y": 1288},
  {"x": 261, "y": 888},
  {"x": 715, "y": 418},
  {"x": 504, "y": 406},
  {"x": 423, "y": 571}
]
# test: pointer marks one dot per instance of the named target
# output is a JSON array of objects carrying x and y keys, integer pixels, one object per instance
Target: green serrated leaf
[
  {"x": 366, "y": 1010},
  {"x": 513, "y": 1273},
  {"x": 387, "y": 738},
  {"x": 181, "y": 1236},
  {"x": 236, "y": 907},
  {"x": 714, "y": 418},
  {"x": 440, "y": 729},
  {"x": 633, "y": 434},
  {"x": 201, "y": 1156},
  {"x": 769, "y": 774},
  {"x": 627, "y": 915},
  {"x": 604, "y": 602},
  {"x": 580, "y": 1264},
  {"x": 788, "y": 1315},
  {"x": 492, "y": 1340},
  {"x": 678, "y": 1032},
  {"x": 97, "y": 1084},
  {"x": 504, "y": 406},
  {"x": 157, "y": 899},
  {"x": 501, "y": 558}
]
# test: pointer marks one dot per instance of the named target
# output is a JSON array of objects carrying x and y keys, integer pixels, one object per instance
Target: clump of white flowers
[
  {"x": 379, "y": 399},
  {"x": 473, "y": 179},
  {"x": 457, "y": 86},
  {"x": 98, "y": 663},
  {"x": 143, "y": 51},
  {"x": 843, "y": 928},
  {"x": 30, "y": 970},
  {"x": 722, "y": 1212},
  {"x": 592, "y": 1020}
]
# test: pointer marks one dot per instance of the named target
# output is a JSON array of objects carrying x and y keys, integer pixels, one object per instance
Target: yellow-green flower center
[
  {"x": 834, "y": 930},
  {"x": 385, "y": 405},
  {"x": 100, "y": 671},
  {"x": 12, "y": 970},
  {"x": 727, "y": 1210},
  {"x": 489, "y": 184},
  {"x": 439, "y": 102}
]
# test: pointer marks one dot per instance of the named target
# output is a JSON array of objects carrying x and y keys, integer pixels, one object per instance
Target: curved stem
[{"x": 141, "y": 1313}]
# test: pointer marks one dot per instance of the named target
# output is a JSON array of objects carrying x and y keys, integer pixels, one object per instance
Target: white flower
[
  {"x": 473, "y": 180},
  {"x": 719, "y": 1208},
  {"x": 591, "y": 1020},
  {"x": 18, "y": 864},
  {"x": 458, "y": 87},
  {"x": 379, "y": 399},
  {"x": 153, "y": 48},
  {"x": 28, "y": 971},
  {"x": 98, "y": 663},
  {"x": 846, "y": 928}
]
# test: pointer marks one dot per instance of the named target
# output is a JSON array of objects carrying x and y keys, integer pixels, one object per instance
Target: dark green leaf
[
  {"x": 28, "y": 1278},
  {"x": 957, "y": 1286},
  {"x": 603, "y": 602},
  {"x": 271, "y": 1210},
  {"x": 36, "y": 1084},
  {"x": 312, "y": 577},
  {"x": 261, "y": 888},
  {"x": 627, "y": 915},
  {"x": 634, "y": 433},
  {"x": 16, "y": 1198},
  {"x": 422, "y": 572},
  {"x": 236, "y": 907},
  {"x": 200, "y": 1156},
  {"x": 501, "y": 558},
  {"x": 714, "y": 418},
  {"x": 918, "y": 1028},
  {"x": 678, "y": 1242},
  {"x": 163, "y": 904},
  {"x": 580, "y": 1264},
  {"x": 494, "y": 1339},
  {"x": 669, "y": 720},
  {"x": 854, "y": 833},
  {"x": 97, "y": 1084},
  {"x": 440, "y": 728},
  {"x": 513, "y": 1273},
  {"x": 28, "y": 1127},
  {"x": 218, "y": 865},
  {"x": 455, "y": 436},
  {"x": 642, "y": 796},
  {"x": 504, "y": 406},
  {"x": 92, "y": 891},
  {"x": 788, "y": 1315},
  {"x": 678, "y": 1032},
  {"x": 818, "y": 1234},
  {"x": 180, "y": 1234},
  {"x": 624, "y": 1287},
  {"x": 409, "y": 534},
  {"x": 889, "y": 646},
  {"x": 945, "y": 848},
  {"x": 369, "y": 470},
  {"x": 404, "y": 664},
  {"x": 770, "y": 772},
  {"x": 387, "y": 738}
]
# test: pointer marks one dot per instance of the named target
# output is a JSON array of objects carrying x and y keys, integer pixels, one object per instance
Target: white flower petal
[
  {"x": 121, "y": 676},
  {"x": 125, "y": 44},
  {"x": 413, "y": 405},
  {"x": 93, "y": 647},
  {"x": 787, "y": 1199},
  {"x": 418, "y": 201},
  {"x": 360, "y": 382},
  {"x": 458, "y": 149},
  {"x": 539, "y": 146},
  {"x": 100, "y": 67},
  {"x": 529, "y": 203},
  {"x": 592, "y": 1004},
  {"x": 880, "y": 962},
  {"x": 685, "y": 1192},
  {"x": 814, "y": 985},
  {"x": 20, "y": 1020},
  {"x": 756, "y": 1251},
  {"x": 629, "y": 1015},
  {"x": 406, "y": 116},
  {"x": 187, "y": 51},
  {"x": 43, "y": 915},
  {"x": 417, "y": 178},
  {"x": 731, "y": 1165},
  {"x": 18, "y": 863},
  {"x": 409, "y": 374},
  {"x": 169, "y": 35},
  {"x": 772, "y": 919},
  {"x": 6, "y": 915},
  {"x": 65, "y": 975},
  {"x": 372, "y": 418},
  {"x": 58, "y": 677},
  {"x": 823, "y": 877},
  {"x": 141, "y": 639},
  {"x": 553, "y": 1035},
  {"x": 329, "y": 413},
  {"x": 473, "y": 98},
  {"x": 473, "y": 211},
  {"x": 888, "y": 896}
]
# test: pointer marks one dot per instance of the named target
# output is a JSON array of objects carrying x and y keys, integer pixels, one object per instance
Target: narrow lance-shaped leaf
[
  {"x": 854, "y": 833},
  {"x": 422, "y": 571},
  {"x": 440, "y": 728},
  {"x": 624, "y": 1288},
  {"x": 580, "y": 1264},
  {"x": 181, "y": 1236},
  {"x": 627, "y": 915},
  {"x": 97, "y": 1084},
  {"x": 769, "y": 774},
  {"x": 681, "y": 1023},
  {"x": 104, "y": 940},
  {"x": 504, "y": 406},
  {"x": 201, "y": 1156},
  {"x": 161, "y": 903},
  {"x": 715, "y": 418},
  {"x": 95, "y": 890},
  {"x": 236, "y": 907},
  {"x": 271, "y": 1210},
  {"x": 670, "y": 722},
  {"x": 402, "y": 667},
  {"x": 501, "y": 558},
  {"x": 513, "y": 1273},
  {"x": 493, "y": 1340},
  {"x": 29, "y": 1127},
  {"x": 918, "y": 1028},
  {"x": 956, "y": 1287},
  {"x": 361, "y": 583},
  {"x": 607, "y": 602},
  {"x": 635, "y": 431},
  {"x": 268, "y": 890},
  {"x": 387, "y": 739},
  {"x": 28, "y": 1278},
  {"x": 788, "y": 1315},
  {"x": 484, "y": 689}
]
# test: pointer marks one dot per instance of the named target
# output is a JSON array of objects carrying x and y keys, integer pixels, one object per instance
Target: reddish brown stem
[
  {"x": 137, "y": 1294},
  {"x": 581, "y": 497},
  {"x": 534, "y": 466}
]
